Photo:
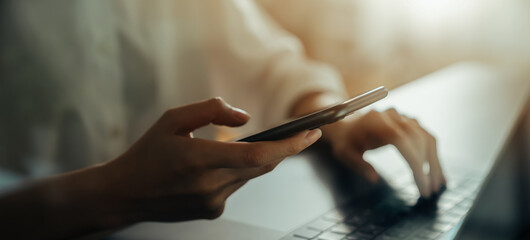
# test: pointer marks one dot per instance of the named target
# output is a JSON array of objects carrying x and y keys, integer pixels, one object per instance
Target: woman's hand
[
  {"x": 168, "y": 175},
  {"x": 351, "y": 137}
]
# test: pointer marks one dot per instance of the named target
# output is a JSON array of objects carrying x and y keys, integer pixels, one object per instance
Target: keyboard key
[
  {"x": 371, "y": 229},
  {"x": 458, "y": 211},
  {"x": 455, "y": 196},
  {"x": 466, "y": 203},
  {"x": 470, "y": 184},
  {"x": 354, "y": 221},
  {"x": 306, "y": 233},
  {"x": 407, "y": 223},
  {"x": 295, "y": 238},
  {"x": 446, "y": 205},
  {"x": 431, "y": 234},
  {"x": 397, "y": 233},
  {"x": 335, "y": 216},
  {"x": 463, "y": 189},
  {"x": 331, "y": 236},
  {"x": 359, "y": 236},
  {"x": 447, "y": 218},
  {"x": 343, "y": 228},
  {"x": 451, "y": 196},
  {"x": 388, "y": 220},
  {"x": 392, "y": 218},
  {"x": 442, "y": 227},
  {"x": 321, "y": 224},
  {"x": 386, "y": 237},
  {"x": 420, "y": 238}
]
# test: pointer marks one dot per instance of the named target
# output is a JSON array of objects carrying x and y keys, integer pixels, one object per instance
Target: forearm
[{"x": 64, "y": 206}]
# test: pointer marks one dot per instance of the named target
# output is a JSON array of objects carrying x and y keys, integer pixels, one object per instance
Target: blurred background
[
  {"x": 370, "y": 42},
  {"x": 391, "y": 42}
]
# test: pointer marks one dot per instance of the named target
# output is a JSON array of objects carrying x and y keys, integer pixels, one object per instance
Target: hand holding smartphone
[{"x": 319, "y": 118}]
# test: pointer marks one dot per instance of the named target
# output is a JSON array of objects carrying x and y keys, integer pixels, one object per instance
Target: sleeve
[{"x": 257, "y": 66}]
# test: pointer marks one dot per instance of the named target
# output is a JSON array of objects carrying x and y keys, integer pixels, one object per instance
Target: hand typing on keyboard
[
  {"x": 350, "y": 138},
  {"x": 392, "y": 216}
]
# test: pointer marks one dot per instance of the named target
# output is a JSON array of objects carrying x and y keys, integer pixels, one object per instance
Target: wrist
[
  {"x": 118, "y": 209},
  {"x": 91, "y": 194}
]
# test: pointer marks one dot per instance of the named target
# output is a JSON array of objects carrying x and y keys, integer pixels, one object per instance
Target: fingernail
[
  {"x": 240, "y": 114},
  {"x": 313, "y": 135}
]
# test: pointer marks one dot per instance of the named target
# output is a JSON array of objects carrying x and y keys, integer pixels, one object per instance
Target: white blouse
[{"x": 114, "y": 67}]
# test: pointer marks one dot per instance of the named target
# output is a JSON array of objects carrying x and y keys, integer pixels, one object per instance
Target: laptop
[
  {"x": 311, "y": 196},
  {"x": 394, "y": 210}
]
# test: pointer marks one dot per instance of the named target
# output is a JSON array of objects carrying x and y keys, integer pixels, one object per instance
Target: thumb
[{"x": 184, "y": 120}]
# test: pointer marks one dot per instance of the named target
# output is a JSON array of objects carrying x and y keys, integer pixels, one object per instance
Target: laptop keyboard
[{"x": 403, "y": 215}]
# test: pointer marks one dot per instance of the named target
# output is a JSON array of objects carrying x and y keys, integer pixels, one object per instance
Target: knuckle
[
  {"x": 392, "y": 114},
  {"x": 170, "y": 114},
  {"x": 268, "y": 168},
  {"x": 205, "y": 189},
  {"x": 431, "y": 138},
  {"x": 212, "y": 205},
  {"x": 391, "y": 110},
  {"x": 238, "y": 180},
  {"x": 186, "y": 151},
  {"x": 217, "y": 102},
  {"x": 396, "y": 117},
  {"x": 413, "y": 123},
  {"x": 214, "y": 209},
  {"x": 372, "y": 113},
  {"x": 293, "y": 148},
  {"x": 402, "y": 136},
  {"x": 393, "y": 132},
  {"x": 404, "y": 124},
  {"x": 372, "y": 116}
]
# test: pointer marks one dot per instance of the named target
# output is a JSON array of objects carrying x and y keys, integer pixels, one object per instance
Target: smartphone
[{"x": 319, "y": 118}]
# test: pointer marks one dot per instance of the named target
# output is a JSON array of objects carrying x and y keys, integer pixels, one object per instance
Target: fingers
[
  {"x": 184, "y": 120},
  {"x": 248, "y": 155},
  {"x": 435, "y": 169},
  {"x": 416, "y": 160},
  {"x": 418, "y": 147},
  {"x": 271, "y": 150}
]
